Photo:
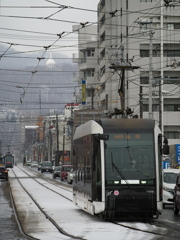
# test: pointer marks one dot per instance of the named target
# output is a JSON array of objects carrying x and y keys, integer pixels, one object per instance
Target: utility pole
[
  {"x": 161, "y": 97},
  {"x": 63, "y": 145},
  {"x": 92, "y": 97},
  {"x": 150, "y": 73},
  {"x": 118, "y": 63},
  {"x": 40, "y": 102},
  {"x": 50, "y": 143},
  {"x": 57, "y": 135},
  {"x": 146, "y": 21}
]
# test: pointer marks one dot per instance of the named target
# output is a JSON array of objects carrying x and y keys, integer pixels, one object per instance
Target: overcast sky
[{"x": 34, "y": 16}]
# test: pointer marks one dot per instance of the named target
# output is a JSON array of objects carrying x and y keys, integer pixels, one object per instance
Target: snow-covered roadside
[{"x": 71, "y": 219}]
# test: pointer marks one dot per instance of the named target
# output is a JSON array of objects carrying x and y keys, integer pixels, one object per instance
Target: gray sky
[{"x": 22, "y": 15}]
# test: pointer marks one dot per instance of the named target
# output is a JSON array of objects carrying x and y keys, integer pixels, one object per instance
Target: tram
[
  {"x": 118, "y": 168},
  {"x": 9, "y": 160}
]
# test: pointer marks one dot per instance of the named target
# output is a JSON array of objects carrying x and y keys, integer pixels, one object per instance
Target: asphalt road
[{"x": 9, "y": 229}]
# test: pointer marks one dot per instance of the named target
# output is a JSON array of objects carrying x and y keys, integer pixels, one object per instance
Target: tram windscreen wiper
[{"x": 118, "y": 171}]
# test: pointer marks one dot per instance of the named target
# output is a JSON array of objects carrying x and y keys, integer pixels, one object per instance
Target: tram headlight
[{"x": 116, "y": 182}]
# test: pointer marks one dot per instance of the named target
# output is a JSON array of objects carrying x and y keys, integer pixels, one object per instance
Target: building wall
[
  {"x": 124, "y": 33},
  {"x": 126, "y": 29}
]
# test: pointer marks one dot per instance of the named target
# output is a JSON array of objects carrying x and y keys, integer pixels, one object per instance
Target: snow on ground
[{"x": 70, "y": 218}]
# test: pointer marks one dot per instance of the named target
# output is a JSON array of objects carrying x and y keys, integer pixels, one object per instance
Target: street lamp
[{"x": 22, "y": 94}]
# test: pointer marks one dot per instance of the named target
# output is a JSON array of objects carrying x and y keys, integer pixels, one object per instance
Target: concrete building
[
  {"x": 87, "y": 60},
  {"x": 143, "y": 36}
]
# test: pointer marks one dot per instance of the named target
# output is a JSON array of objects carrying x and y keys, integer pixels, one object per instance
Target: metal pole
[
  {"x": 161, "y": 124},
  {"x": 150, "y": 74},
  {"x": 141, "y": 101},
  {"x": 63, "y": 145},
  {"x": 57, "y": 133},
  {"x": 40, "y": 102},
  {"x": 92, "y": 97}
]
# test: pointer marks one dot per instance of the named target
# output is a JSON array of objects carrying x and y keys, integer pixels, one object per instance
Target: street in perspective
[{"x": 90, "y": 120}]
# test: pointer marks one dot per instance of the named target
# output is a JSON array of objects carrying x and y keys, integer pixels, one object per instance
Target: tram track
[
  {"x": 49, "y": 180},
  {"x": 124, "y": 225},
  {"x": 44, "y": 212},
  {"x": 17, "y": 219}
]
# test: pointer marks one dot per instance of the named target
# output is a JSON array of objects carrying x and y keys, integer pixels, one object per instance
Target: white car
[
  {"x": 34, "y": 164},
  {"x": 70, "y": 177},
  {"x": 169, "y": 181}
]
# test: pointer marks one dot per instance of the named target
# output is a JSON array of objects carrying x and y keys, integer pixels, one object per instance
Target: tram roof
[{"x": 114, "y": 125}]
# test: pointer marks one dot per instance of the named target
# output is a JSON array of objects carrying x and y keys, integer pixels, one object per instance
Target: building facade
[{"x": 137, "y": 50}]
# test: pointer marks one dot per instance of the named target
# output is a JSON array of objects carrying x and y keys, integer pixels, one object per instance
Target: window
[
  {"x": 144, "y": 80},
  {"x": 170, "y": 26},
  {"x": 169, "y": 108},
  {"x": 172, "y": 107},
  {"x": 171, "y": 80},
  {"x": 102, "y": 21},
  {"x": 89, "y": 73},
  {"x": 102, "y": 54},
  {"x": 121, "y": 165},
  {"x": 176, "y": 25},
  {"x": 172, "y": 53},
  {"x": 155, "y": 108},
  {"x": 172, "y": 135},
  {"x": 144, "y": 53},
  {"x": 90, "y": 53},
  {"x": 144, "y": 27},
  {"x": 102, "y": 38},
  {"x": 145, "y": 108}
]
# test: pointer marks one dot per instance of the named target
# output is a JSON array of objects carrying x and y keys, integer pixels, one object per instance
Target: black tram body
[{"x": 117, "y": 168}]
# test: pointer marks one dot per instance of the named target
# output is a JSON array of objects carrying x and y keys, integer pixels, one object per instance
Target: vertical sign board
[
  {"x": 166, "y": 164},
  {"x": 178, "y": 155},
  {"x": 83, "y": 92}
]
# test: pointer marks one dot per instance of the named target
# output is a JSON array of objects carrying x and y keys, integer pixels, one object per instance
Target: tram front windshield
[{"x": 130, "y": 159}]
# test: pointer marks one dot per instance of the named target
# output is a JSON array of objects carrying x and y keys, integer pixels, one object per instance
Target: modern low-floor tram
[{"x": 117, "y": 168}]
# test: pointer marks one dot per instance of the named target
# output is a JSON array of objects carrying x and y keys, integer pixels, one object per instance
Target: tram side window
[
  {"x": 97, "y": 183},
  {"x": 87, "y": 170},
  {"x": 80, "y": 162},
  {"x": 97, "y": 165}
]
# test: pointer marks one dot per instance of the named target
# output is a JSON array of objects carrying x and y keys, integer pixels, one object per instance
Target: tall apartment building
[
  {"x": 87, "y": 60},
  {"x": 143, "y": 34}
]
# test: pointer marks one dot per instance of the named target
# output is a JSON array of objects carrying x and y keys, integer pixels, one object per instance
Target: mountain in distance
[{"x": 47, "y": 82}]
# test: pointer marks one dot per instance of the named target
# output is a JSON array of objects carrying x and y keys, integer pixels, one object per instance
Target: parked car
[
  {"x": 169, "y": 180},
  {"x": 3, "y": 173},
  {"x": 64, "y": 171},
  {"x": 28, "y": 163},
  {"x": 57, "y": 171},
  {"x": 34, "y": 164},
  {"x": 46, "y": 167},
  {"x": 70, "y": 177},
  {"x": 176, "y": 205},
  {"x": 39, "y": 166}
]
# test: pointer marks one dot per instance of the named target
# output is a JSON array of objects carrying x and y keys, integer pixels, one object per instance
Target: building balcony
[
  {"x": 75, "y": 58},
  {"x": 87, "y": 63}
]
